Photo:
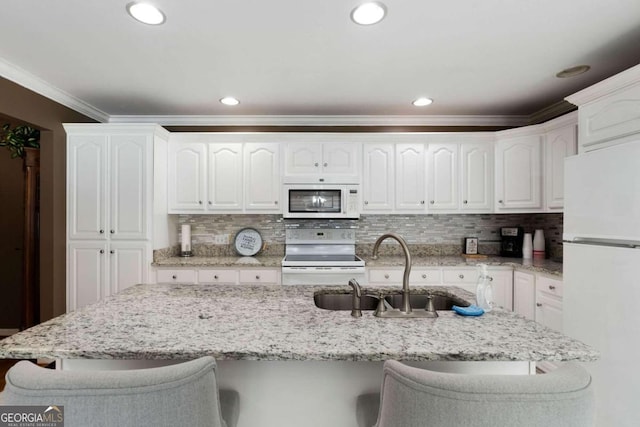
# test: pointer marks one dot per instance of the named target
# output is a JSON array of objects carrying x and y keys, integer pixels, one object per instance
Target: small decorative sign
[
  {"x": 248, "y": 242},
  {"x": 471, "y": 245}
]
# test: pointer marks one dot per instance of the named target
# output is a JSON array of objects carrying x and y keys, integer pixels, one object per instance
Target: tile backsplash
[{"x": 443, "y": 233}]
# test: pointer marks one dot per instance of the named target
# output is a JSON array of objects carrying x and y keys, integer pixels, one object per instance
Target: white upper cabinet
[
  {"x": 609, "y": 111},
  {"x": 442, "y": 177},
  {"x": 410, "y": 177},
  {"x": 224, "y": 185},
  {"x": 560, "y": 143},
  {"x": 476, "y": 177},
  {"x": 109, "y": 185},
  {"x": 378, "y": 180},
  {"x": 187, "y": 177},
  {"x": 518, "y": 173},
  {"x": 325, "y": 162},
  {"x": 262, "y": 184}
]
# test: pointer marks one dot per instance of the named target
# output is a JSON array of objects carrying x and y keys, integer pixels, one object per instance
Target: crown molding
[
  {"x": 622, "y": 80},
  {"x": 551, "y": 112},
  {"x": 24, "y": 78},
  {"x": 309, "y": 120}
]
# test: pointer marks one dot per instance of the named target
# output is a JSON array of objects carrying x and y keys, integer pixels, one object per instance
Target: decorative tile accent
[{"x": 433, "y": 235}]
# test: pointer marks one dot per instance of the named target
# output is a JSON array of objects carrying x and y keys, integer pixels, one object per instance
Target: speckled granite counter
[
  {"x": 535, "y": 265},
  {"x": 279, "y": 323}
]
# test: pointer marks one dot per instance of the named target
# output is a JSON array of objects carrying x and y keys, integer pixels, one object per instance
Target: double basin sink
[{"x": 367, "y": 302}]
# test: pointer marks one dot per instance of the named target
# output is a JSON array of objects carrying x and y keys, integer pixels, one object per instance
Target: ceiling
[{"x": 483, "y": 58}]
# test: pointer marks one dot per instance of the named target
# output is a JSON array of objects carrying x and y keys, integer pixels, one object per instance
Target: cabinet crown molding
[{"x": 620, "y": 81}]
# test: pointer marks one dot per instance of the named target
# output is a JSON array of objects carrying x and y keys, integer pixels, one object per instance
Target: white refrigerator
[{"x": 601, "y": 302}]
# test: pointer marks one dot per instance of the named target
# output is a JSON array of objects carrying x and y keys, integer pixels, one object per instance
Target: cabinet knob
[
  {"x": 325, "y": 165},
  {"x": 422, "y": 202},
  {"x": 552, "y": 287},
  {"x": 112, "y": 231},
  {"x": 215, "y": 276},
  {"x": 101, "y": 231},
  {"x": 386, "y": 276},
  {"x": 275, "y": 202},
  {"x": 112, "y": 251},
  {"x": 538, "y": 304},
  {"x": 490, "y": 279},
  {"x": 366, "y": 202},
  {"x": 464, "y": 201},
  {"x": 257, "y": 277},
  {"x": 210, "y": 202},
  {"x": 432, "y": 202},
  {"x": 461, "y": 276},
  {"x": 316, "y": 164},
  {"x": 174, "y": 277},
  {"x": 424, "y": 276},
  {"x": 499, "y": 201},
  {"x": 199, "y": 202},
  {"x": 101, "y": 251}
]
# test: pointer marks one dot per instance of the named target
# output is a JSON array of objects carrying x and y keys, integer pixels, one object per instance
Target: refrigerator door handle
[{"x": 632, "y": 244}]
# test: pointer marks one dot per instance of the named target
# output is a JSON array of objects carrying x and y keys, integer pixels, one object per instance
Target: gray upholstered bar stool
[
  {"x": 184, "y": 394},
  {"x": 413, "y": 397}
]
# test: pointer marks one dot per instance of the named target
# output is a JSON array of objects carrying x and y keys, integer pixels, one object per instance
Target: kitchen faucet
[
  {"x": 357, "y": 294},
  {"x": 406, "y": 305}
]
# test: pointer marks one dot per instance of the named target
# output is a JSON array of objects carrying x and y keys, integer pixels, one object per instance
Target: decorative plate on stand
[{"x": 248, "y": 242}]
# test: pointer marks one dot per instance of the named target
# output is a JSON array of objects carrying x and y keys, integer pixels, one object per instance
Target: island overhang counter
[{"x": 286, "y": 357}]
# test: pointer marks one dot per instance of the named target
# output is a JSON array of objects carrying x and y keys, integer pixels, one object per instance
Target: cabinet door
[
  {"x": 502, "y": 285},
  {"x": 187, "y": 177},
  {"x": 442, "y": 177},
  {"x": 524, "y": 294},
  {"x": 518, "y": 170},
  {"x": 378, "y": 183},
  {"x": 476, "y": 178},
  {"x": 410, "y": 177},
  {"x": 560, "y": 143},
  {"x": 225, "y": 177},
  {"x": 549, "y": 311},
  {"x": 302, "y": 159},
  {"x": 86, "y": 274},
  {"x": 129, "y": 265},
  {"x": 262, "y": 177},
  {"x": 87, "y": 186},
  {"x": 130, "y": 182},
  {"x": 341, "y": 159}
]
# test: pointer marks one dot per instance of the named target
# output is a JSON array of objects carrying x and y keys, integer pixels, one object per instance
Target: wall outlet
[{"x": 220, "y": 239}]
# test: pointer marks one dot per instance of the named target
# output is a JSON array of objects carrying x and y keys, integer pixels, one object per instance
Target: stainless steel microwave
[{"x": 322, "y": 201}]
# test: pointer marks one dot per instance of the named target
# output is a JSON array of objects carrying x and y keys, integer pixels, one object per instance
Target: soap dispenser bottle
[{"x": 484, "y": 290}]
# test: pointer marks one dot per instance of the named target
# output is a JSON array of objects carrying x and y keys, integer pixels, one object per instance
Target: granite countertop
[
  {"x": 535, "y": 265},
  {"x": 185, "y": 321}
]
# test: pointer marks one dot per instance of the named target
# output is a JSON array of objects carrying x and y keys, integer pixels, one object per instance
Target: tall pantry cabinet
[{"x": 109, "y": 208}]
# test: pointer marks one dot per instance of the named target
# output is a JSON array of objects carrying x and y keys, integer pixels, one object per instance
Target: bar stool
[
  {"x": 184, "y": 394},
  {"x": 413, "y": 397}
]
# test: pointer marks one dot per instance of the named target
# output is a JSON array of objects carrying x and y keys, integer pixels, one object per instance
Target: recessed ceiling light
[
  {"x": 146, "y": 13},
  {"x": 573, "y": 71},
  {"x": 368, "y": 13},
  {"x": 422, "y": 102},
  {"x": 229, "y": 100}
]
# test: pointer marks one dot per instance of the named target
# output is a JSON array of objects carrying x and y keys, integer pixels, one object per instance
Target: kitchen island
[{"x": 292, "y": 363}]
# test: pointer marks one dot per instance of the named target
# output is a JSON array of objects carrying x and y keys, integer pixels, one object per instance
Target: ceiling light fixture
[
  {"x": 146, "y": 13},
  {"x": 422, "y": 102},
  {"x": 369, "y": 13},
  {"x": 573, "y": 71},
  {"x": 229, "y": 100}
]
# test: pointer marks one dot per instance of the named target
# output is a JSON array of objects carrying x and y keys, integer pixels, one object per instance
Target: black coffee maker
[{"x": 512, "y": 238}]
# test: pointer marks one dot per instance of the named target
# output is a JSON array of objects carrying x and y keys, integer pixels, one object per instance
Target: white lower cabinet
[
  {"x": 219, "y": 275},
  {"x": 502, "y": 284},
  {"x": 549, "y": 302},
  {"x": 99, "y": 269},
  {"x": 524, "y": 294}
]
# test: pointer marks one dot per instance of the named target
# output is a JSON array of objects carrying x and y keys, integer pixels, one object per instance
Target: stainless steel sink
[{"x": 345, "y": 301}]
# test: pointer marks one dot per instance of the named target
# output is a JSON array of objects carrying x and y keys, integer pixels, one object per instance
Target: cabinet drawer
[
  {"x": 425, "y": 276},
  {"x": 218, "y": 276},
  {"x": 260, "y": 276},
  {"x": 392, "y": 277},
  {"x": 459, "y": 275},
  {"x": 549, "y": 286},
  {"x": 176, "y": 276}
]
